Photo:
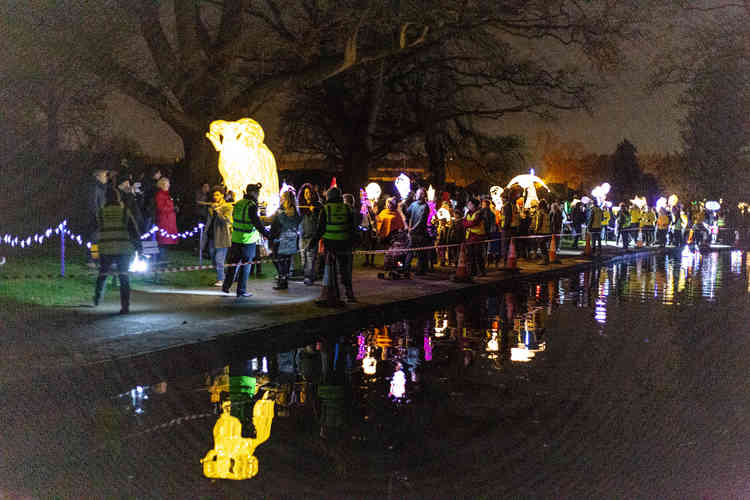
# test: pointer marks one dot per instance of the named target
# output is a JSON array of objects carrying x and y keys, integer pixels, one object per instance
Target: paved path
[{"x": 44, "y": 340}]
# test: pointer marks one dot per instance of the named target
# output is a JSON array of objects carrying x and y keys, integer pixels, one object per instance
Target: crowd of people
[{"x": 414, "y": 233}]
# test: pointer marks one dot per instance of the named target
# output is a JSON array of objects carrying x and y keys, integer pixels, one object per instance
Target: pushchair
[{"x": 394, "y": 258}]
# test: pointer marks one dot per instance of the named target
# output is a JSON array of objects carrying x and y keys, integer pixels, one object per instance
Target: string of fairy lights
[{"x": 62, "y": 230}]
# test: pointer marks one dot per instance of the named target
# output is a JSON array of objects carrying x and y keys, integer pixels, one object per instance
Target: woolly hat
[{"x": 333, "y": 194}]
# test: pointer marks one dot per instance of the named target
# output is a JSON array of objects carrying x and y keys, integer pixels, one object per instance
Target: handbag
[{"x": 288, "y": 242}]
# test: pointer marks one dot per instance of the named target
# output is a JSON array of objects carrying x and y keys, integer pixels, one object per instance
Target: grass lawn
[{"x": 31, "y": 277}]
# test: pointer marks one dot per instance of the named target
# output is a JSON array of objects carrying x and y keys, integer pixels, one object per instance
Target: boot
[
  {"x": 99, "y": 288},
  {"x": 278, "y": 285},
  {"x": 323, "y": 299},
  {"x": 350, "y": 295}
]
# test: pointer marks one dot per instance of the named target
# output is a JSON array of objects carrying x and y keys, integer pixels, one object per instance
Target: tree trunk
[
  {"x": 356, "y": 172},
  {"x": 201, "y": 162},
  {"x": 53, "y": 132},
  {"x": 436, "y": 154}
]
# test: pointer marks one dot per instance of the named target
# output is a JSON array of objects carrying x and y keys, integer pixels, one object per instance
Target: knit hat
[{"x": 333, "y": 194}]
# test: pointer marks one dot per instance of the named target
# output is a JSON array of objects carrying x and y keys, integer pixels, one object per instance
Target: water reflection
[{"x": 397, "y": 388}]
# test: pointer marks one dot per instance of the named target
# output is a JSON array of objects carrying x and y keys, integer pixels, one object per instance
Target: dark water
[{"x": 627, "y": 380}]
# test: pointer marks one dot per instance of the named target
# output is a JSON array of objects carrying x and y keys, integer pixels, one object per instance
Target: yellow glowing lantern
[
  {"x": 232, "y": 455},
  {"x": 244, "y": 158},
  {"x": 672, "y": 200}
]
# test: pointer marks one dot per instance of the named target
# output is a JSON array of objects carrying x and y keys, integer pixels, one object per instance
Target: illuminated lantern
[
  {"x": 493, "y": 345},
  {"x": 244, "y": 158},
  {"x": 600, "y": 192},
  {"x": 672, "y": 200},
  {"x": 661, "y": 203},
  {"x": 403, "y": 185},
  {"x": 427, "y": 348},
  {"x": 444, "y": 214},
  {"x": 431, "y": 194},
  {"x": 527, "y": 182},
  {"x": 639, "y": 202},
  {"x": 138, "y": 265},
  {"x": 521, "y": 353},
  {"x": 496, "y": 193},
  {"x": 232, "y": 455},
  {"x": 713, "y": 205},
  {"x": 373, "y": 191},
  {"x": 369, "y": 364},
  {"x": 398, "y": 384}
]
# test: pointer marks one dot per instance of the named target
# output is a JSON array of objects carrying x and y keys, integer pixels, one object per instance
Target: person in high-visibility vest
[
  {"x": 116, "y": 225},
  {"x": 594, "y": 225},
  {"x": 606, "y": 219},
  {"x": 648, "y": 221},
  {"x": 336, "y": 228},
  {"x": 662, "y": 225},
  {"x": 635, "y": 222},
  {"x": 247, "y": 229}
]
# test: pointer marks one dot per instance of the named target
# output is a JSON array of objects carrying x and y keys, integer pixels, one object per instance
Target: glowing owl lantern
[
  {"x": 232, "y": 455},
  {"x": 244, "y": 158},
  {"x": 403, "y": 185}
]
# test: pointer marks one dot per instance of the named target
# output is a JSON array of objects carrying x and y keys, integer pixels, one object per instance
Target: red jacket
[{"x": 166, "y": 218}]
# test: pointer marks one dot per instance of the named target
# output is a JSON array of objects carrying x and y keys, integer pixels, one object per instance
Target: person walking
[
  {"x": 284, "y": 225},
  {"x": 219, "y": 229},
  {"x": 556, "y": 222},
  {"x": 117, "y": 232},
  {"x": 96, "y": 200},
  {"x": 247, "y": 229},
  {"x": 336, "y": 228},
  {"x": 309, "y": 206},
  {"x": 166, "y": 218}
]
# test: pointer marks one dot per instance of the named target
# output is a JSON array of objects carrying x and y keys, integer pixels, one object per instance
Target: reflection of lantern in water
[
  {"x": 244, "y": 158},
  {"x": 493, "y": 345},
  {"x": 398, "y": 383},
  {"x": 361, "y": 346},
  {"x": 369, "y": 364},
  {"x": 232, "y": 455},
  {"x": 441, "y": 323},
  {"x": 427, "y": 348}
]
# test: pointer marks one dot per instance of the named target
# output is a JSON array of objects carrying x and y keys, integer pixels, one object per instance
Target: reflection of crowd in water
[{"x": 354, "y": 384}]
